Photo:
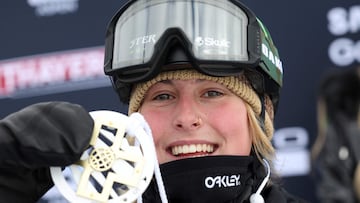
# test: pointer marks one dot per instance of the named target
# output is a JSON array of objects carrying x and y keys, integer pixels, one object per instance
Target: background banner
[{"x": 53, "y": 50}]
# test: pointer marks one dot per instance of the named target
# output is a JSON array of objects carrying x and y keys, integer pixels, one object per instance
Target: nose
[{"x": 187, "y": 115}]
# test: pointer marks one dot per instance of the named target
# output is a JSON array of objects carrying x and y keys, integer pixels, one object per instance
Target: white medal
[{"x": 118, "y": 165}]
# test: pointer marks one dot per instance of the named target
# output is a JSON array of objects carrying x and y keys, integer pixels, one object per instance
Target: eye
[
  {"x": 163, "y": 97},
  {"x": 213, "y": 93}
]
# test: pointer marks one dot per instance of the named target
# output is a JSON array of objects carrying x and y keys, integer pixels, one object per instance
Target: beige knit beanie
[{"x": 239, "y": 85}]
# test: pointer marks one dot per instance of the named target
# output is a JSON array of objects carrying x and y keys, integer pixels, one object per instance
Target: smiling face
[{"x": 196, "y": 117}]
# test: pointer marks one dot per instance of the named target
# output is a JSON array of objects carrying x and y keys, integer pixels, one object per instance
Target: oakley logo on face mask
[
  {"x": 211, "y": 42},
  {"x": 222, "y": 181},
  {"x": 142, "y": 40}
]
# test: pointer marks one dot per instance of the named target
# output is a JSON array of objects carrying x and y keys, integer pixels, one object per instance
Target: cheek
[
  {"x": 233, "y": 126},
  {"x": 230, "y": 117},
  {"x": 156, "y": 124}
]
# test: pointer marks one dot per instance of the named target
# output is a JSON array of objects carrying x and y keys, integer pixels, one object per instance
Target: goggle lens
[{"x": 216, "y": 30}]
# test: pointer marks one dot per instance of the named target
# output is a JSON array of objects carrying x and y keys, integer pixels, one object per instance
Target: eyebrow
[{"x": 167, "y": 81}]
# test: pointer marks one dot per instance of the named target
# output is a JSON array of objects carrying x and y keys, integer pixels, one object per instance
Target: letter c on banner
[{"x": 344, "y": 51}]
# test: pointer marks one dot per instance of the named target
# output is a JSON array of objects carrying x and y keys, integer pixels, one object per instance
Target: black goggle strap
[
  {"x": 257, "y": 83},
  {"x": 262, "y": 113},
  {"x": 122, "y": 89}
]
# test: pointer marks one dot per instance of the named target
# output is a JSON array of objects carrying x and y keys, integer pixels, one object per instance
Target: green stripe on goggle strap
[{"x": 270, "y": 56}]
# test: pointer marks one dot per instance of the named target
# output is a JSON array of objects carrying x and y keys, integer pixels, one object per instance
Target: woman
[
  {"x": 335, "y": 154},
  {"x": 206, "y": 77}
]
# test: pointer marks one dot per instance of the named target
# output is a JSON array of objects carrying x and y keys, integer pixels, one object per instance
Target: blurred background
[{"x": 53, "y": 50}]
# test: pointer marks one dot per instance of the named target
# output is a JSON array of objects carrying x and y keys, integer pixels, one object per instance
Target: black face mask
[{"x": 205, "y": 179}]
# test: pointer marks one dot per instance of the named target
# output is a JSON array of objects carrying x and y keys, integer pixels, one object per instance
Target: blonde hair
[
  {"x": 322, "y": 129},
  {"x": 262, "y": 145}
]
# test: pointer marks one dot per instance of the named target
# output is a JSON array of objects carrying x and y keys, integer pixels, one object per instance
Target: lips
[{"x": 192, "y": 149}]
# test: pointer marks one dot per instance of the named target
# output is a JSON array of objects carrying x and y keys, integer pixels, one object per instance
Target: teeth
[{"x": 193, "y": 148}]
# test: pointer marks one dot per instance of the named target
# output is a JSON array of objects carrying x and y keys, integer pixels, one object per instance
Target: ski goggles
[{"x": 218, "y": 37}]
